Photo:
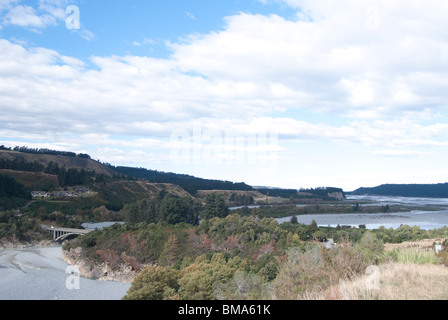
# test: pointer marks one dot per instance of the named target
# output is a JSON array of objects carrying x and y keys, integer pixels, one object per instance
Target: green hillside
[
  {"x": 12, "y": 193},
  {"x": 406, "y": 190},
  {"x": 38, "y": 162}
]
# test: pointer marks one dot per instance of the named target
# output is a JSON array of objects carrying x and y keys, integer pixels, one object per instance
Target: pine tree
[
  {"x": 215, "y": 206},
  {"x": 169, "y": 253}
]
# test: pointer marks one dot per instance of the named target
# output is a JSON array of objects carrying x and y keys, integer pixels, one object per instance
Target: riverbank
[
  {"x": 40, "y": 273},
  {"x": 101, "y": 272},
  {"x": 426, "y": 220},
  {"x": 11, "y": 244}
]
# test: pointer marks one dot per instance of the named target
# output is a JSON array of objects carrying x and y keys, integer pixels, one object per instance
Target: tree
[
  {"x": 132, "y": 215},
  {"x": 319, "y": 236},
  {"x": 243, "y": 286},
  {"x": 12, "y": 193},
  {"x": 199, "y": 279},
  {"x": 83, "y": 156},
  {"x": 52, "y": 168},
  {"x": 175, "y": 210},
  {"x": 155, "y": 283},
  {"x": 215, "y": 206},
  {"x": 62, "y": 176},
  {"x": 169, "y": 254},
  {"x": 313, "y": 227},
  {"x": 163, "y": 207},
  {"x": 370, "y": 246},
  {"x": 191, "y": 209}
]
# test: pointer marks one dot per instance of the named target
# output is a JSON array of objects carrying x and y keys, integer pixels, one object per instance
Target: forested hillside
[
  {"x": 189, "y": 183},
  {"x": 12, "y": 193},
  {"x": 37, "y": 160},
  {"x": 407, "y": 190},
  {"x": 79, "y": 169}
]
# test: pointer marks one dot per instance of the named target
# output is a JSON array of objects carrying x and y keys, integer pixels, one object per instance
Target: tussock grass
[
  {"x": 401, "y": 273},
  {"x": 397, "y": 281},
  {"x": 315, "y": 269},
  {"x": 412, "y": 256}
]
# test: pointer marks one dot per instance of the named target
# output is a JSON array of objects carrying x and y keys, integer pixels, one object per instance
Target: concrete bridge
[{"x": 60, "y": 234}]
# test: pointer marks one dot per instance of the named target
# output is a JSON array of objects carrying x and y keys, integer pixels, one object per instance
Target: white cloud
[
  {"x": 374, "y": 73},
  {"x": 85, "y": 34},
  {"x": 398, "y": 153},
  {"x": 257, "y": 65},
  {"x": 25, "y": 16},
  {"x": 46, "y": 13},
  {"x": 340, "y": 64},
  {"x": 190, "y": 15}
]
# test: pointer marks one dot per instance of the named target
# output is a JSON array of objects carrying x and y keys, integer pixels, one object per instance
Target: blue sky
[
  {"x": 138, "y": 27},
  {"x": 286, "y": 93}
]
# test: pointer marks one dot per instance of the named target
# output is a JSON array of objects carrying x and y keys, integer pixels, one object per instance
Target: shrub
[
  {"x": 371, "y": 248},
  {"x": 243, "y": 286},
  {"x": 155, "y": 283},
  {"x": 413, "y": 256},
  {"x": 200, "y": 278},
  {"x": 443, "y": 254},
  {"x": 316, "y": 268}
]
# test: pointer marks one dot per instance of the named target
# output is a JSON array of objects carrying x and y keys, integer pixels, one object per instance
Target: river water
[
  {"x": 420, "y": 216},
  {"x": 42, "y": 274}
]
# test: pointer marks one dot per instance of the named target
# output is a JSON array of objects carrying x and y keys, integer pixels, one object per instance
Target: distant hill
[
  {"x": 406, "y": 190},
  {"x": 117, "y": 193},
  {"x": 44, "y": 169},
  {"x": 189, "y": 183},
  {"x": 70, "y": 162},
  {"x": 30, "y": 165}
]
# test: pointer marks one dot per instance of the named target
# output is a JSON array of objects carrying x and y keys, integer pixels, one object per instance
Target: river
[
  {"x": 42, "y": 274},
  {"x": 420, "y": 215}
]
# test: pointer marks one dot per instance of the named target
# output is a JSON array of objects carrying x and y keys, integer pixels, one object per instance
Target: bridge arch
[{"x": 59, "y": 234}]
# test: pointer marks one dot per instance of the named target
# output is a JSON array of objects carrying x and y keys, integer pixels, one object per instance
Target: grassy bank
[
  {"x": 398, "y": 281},
  {"x": 408, "y": 271}
]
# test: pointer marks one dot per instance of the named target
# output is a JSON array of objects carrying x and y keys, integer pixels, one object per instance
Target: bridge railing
[{"x": 62, "y": 233}]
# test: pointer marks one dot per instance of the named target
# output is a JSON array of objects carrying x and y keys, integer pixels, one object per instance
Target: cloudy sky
[{"x": 285, "y": 93}]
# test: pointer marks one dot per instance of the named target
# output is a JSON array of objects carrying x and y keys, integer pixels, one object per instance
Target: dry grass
[
  {"x": 412, "y": 256},
  {"x": 410, "y": 271},
  {"x": 315, "y": 269},
  {"x": 396, "y": 282},
  {"x": 424, "y": 245},
  {"x": 68, "y": 162}
]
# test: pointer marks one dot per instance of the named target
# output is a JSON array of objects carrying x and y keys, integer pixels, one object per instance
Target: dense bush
[
  {"x": 12, "y": 193},
  {"x": 155, "y": 283},
  {"x": 315, "y": 268},
  {"x": 443, "y": 254},
  {"x": 236, "y": 257},
  {"x": 19, "y": 228},
  {"x": 371, "y": 247},
  {"x": 169, "y": 208}
]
